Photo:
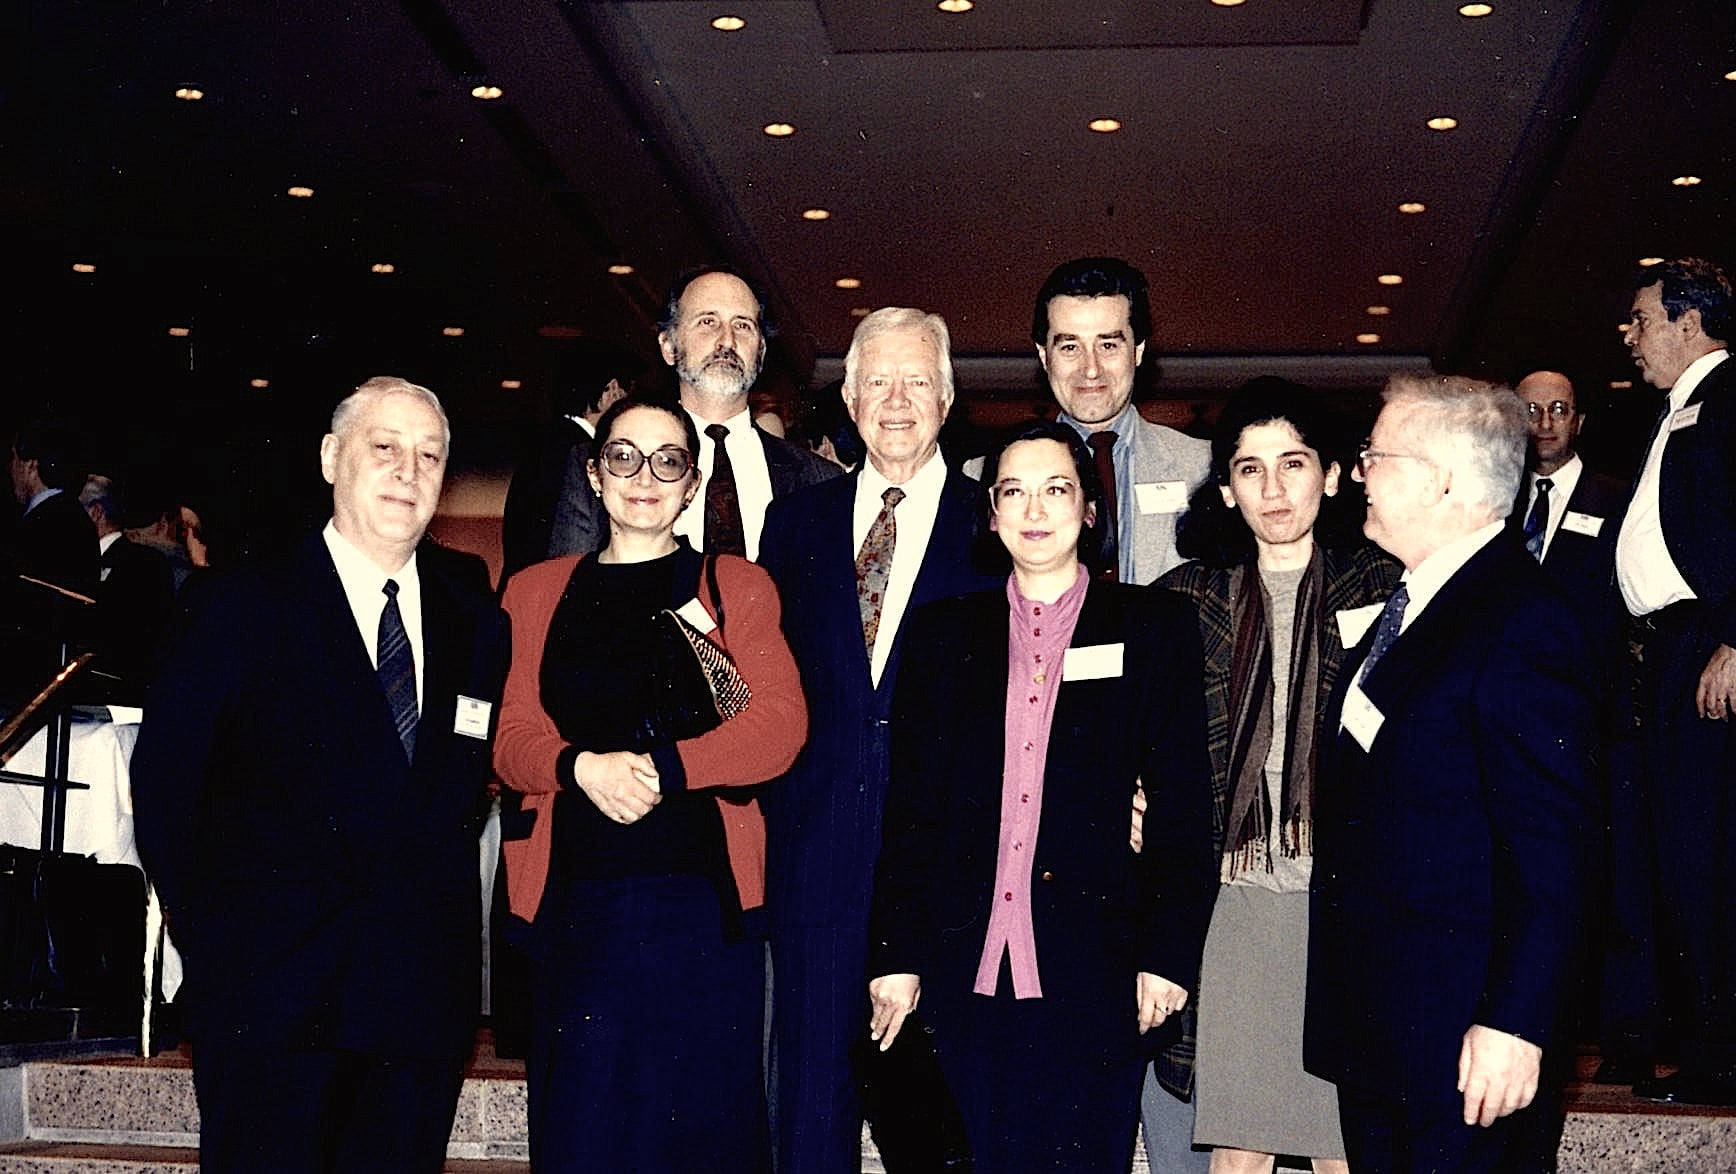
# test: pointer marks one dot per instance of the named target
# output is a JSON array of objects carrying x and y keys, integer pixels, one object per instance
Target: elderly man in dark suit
[
  {"x": 851, "y": 559},
  {"x": 714, "y": 335},
  {"x": 1454, "y": 839},
  {"x": 309, "y": 784},
  {"x": 1675, "y": 561}
]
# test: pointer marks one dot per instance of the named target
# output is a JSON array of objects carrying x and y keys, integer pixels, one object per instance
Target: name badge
[
  {"x": 1686, "y": 418},
  {"x": 472, "y": 719},
  {"x": 1161, "y": 497},
  {"x": 694, "y": 613},
  {"x": 1354, "y": 622},
  {"x": 1092, "y": 662},
  {"x": 1361, "y": 718},
  {"x": 1579, "y": 523}
]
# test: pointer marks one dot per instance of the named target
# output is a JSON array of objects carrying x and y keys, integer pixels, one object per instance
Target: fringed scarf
[{"x": 1249, "y": 828}]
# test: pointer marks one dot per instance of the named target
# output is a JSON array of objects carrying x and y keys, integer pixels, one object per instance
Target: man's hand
[
  {"x": 1136, "y": 841},
  {"x": 622, "y": 784},
  {"x": 1497, "y": 1074},
  {"x": 1158, "y": 999},
  {"x": 1716, "y": 697},
  {"x": 894, "y": 997}
]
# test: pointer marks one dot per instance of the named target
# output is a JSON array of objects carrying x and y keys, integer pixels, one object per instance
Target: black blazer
[
  {"x": 1697, "y": 498},
  {"x": 323, "y": 890},
  {"x": 532, "y": 500},
  {"x": 1101, "y": 912},
  {"x": 1453, "y": 858},
  {"x": 133, "y": 603},
  {"x": 823, "y": 817},
  {"x": 1583, "y": 565},
  {"x": 791, "y": 466},
  {"x": 54, "y": 542}
]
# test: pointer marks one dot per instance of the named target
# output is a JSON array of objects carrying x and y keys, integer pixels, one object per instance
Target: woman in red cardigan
[{"x": 644, "y": 868}]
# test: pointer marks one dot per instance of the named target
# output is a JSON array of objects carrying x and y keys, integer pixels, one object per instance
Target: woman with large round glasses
[
  {"x": 1277, "y": 608},
  {"x": 1042, "y": 947},
  {"x": 644, "y": 869}
]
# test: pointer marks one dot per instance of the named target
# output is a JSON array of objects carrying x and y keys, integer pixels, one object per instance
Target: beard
[{"x": 723, "y": 375}]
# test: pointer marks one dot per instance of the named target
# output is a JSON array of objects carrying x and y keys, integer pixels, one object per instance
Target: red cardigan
[{"x": 757, "y": 744}]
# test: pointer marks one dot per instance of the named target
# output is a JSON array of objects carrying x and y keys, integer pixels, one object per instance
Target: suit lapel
[
  {"x": 447, "y": 650},
  {"x": 1431, "y": 638},
  {"x": 780, "y": 464}
]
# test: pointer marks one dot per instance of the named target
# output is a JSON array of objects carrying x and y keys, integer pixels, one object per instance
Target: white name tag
[
  {"x": 694, "y": 613},
  {"x": 472, "y": 719},
  {"x": 1579, "y": 523},
  {"x": 1353, "y": 622},
  {"x": 1092, "y": 662},
  {"x": 1161, "y": 497},
  {"x": 1686, "y": 418},
  {"x": 1361, "y": 718}
]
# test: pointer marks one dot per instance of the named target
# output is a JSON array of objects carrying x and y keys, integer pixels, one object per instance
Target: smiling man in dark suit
[
  {"x": 1675, "y": 561},
  {"x": 1454, "y": 838},
  {"x": 852, "y": 558},
  {"x": 309, "y": 784}
]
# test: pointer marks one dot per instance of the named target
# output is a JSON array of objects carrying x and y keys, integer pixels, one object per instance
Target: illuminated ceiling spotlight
[
  {"x": 848, "y": 283},
  {"x": 259, "y": 384},
  {"x": 1686, "y": 181},
  {"x": 511, "y": 384},
  {"x": 1390, "y": 279},
  {"x": 1228, "y": 3},
  {"x": 300, "y": 192},
  {"x": 621, "y": 270},
  {"x": 1648, "y": 262},
  {"x": 1443, "y": 122},
  {"x": 1731, "y": 76},
  {"x": 179, "y": 331},
  {"x": 1378, "y": 311},
  {"x": 1620, "y": 384},
  {"x": 860, "y": 311},
  {"x": 382, "y": 267},
  {"x": 779, "y": 130},
  {"x": 83, "y": 267},
  {"x": 452, "y": 331},
  {"x": 728, "y": 24},
  {"x": 1105, "y": 126},
  {"x": 190, "y": 93},
  {"x": 1413, "y": 207},
  {"x": 1368, "y": 339},
  {"x": 956, "y": 5},
  {"x": 484, "y": 92},
  {"x": 816, "y": 214},
  {"x": 1475, "y": 10}
]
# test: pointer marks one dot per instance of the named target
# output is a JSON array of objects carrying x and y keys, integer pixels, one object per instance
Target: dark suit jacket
[
  {"x": 1453, "y": 858},
  {"x": 1697, "y": 498},
  {"x": 527, "y": 521},
  {"x": 55, "y": 542},
  {"x": 1583, "y": 566},
  {"x": 323, "y": 890},
  {"x": 823, "y": 817},
  {"x": 1101, "y": 912},
  {"x": 791, "y": 466},
  {"x": 133, "y": 604}
]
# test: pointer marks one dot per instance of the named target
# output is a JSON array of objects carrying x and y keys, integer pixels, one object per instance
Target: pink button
[{"x": 1009, "y": 897}]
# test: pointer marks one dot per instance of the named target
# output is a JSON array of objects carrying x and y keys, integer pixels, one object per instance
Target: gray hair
[
  {"x": 893, "y": 319},
  {"x": 1478, "y": 429},
  {"x": 100, "y": 490},
  {"x": 380, "y": 386}
]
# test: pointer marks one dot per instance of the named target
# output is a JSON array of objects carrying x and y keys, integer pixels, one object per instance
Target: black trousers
[{"x": 1389, "y": 1135}]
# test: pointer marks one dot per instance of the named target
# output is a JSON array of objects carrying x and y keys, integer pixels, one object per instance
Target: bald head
[{"x": 1554, "y": 417}]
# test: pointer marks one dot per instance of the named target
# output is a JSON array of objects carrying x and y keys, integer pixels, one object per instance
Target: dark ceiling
[{"x": 1263, "y": 152}]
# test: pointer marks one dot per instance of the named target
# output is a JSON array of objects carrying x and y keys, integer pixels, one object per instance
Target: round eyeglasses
[
  {"x": 622, "y": 458},
  {"x": 1056, "y": 491},
  {"x": 1557, "y": 410}
]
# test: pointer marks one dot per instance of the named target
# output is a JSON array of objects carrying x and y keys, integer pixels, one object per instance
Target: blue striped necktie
[{"x": 398, "y": 669}]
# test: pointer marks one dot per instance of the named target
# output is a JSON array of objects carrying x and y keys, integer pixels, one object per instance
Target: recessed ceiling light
[
  {"x": 189, "y": 93},
  {"x": 301, "y": 193},
  {"x": 1229, "y": 3},
  {"x": 779, "y": 130},
  {"x": 83, "y": 267},
  {"x": 1105, "y": 126},
  {"x": 382, "y": 267},
  {"x": 1390, "y": 279},
  {"x": 1648, "y": 262},
  {"x": 1475, "y": 10},
  {"x": 816, "y": 214},
  {"x": 728, "y": 24},
  {"x": 1378, "y": 311},
  {"x": 179, "y": 331},
  {"x": 452, "y": 331},
  {"x": 860, "y": 311},
  {"x": 1686, "y": 181},
  {"x": 1443, "y": 122},
  {"x": 1731, "y": 76},
  {"x": 1413, "y": 207},
  {"x": 260, "y": 384},
  {"x": 511, "y": 384},
  {"x": 1368, "y": 339},
  {"x": 621, "y": 270},
  {"x": 1620, "y": 384},
  {"x": 485, "y": 92},
  {"x": 956, "y": 5},
  {"x": 848, "y": 283}
]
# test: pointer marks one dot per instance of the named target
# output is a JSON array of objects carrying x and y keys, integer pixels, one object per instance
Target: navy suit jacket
[
  {"x": 1453, "y": 858},
  {"x": 1697, "y": 498},
  {"x": 823, "y": 817},
  {"x": 1583, "y": 565},
  {"x": 1100, "y": 912},
  {"x": 323, "y": 889}
]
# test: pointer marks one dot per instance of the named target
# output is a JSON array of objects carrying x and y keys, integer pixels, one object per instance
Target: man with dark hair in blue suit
[
  {"x": 1456, "y": 828},
  {"x": 852, "y": 559}
]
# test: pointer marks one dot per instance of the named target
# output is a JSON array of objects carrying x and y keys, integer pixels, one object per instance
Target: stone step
[{"x": 49, "y": 1157}]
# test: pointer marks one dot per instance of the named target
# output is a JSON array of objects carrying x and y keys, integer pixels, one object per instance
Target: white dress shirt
[
  {"x": 1648, "y": 577},
  {"x": 753, "y": 481},
  {"x": 364, "y": 586},
  {"x": 1562, "y": 483},
  {"x": 915, "y": 521}
]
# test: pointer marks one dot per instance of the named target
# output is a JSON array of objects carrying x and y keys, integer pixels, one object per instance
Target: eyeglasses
[
  {"x": 1558, "y": 410},
  {"x": 622, "y": 458},
  {"x": 1011, "y": 494},
  {"x": 1367, "y": 458}
]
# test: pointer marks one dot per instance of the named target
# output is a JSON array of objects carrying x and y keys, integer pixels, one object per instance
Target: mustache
[{"x": 726, "y": 356}]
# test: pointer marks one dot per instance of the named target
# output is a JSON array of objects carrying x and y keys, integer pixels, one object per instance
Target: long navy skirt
[{"x": 646, "y": 1026}]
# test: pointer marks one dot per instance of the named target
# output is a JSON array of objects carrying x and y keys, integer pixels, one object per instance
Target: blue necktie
[
  {"x": 1537, "y": 521},
  {"x": 1386, "y": 629},
  {"x": 397, "y": 669}
]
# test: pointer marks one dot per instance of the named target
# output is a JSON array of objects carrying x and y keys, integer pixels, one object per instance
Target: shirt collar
[
  {"x": 1690, "y": 380},
  {"x": 38, "y": 498},
  {"x": 1122, "y": 425},
  {"x": 926, "y": 483},
  {"x": 1424, "y": 583},
  {"x": 354, "y": 567},
  {"x": 740, "y": 424}
]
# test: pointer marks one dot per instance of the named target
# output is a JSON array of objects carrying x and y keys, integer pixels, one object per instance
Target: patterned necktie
[
  {"x": 1386, "y": 629},
  {"x": 1537, "y": 521},
  {"x": 1109, "y": 552},
  {"x": 874, "y": 565},
  {"x": 723, "y": 529},
  {"x": 397, "y": 669}
]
